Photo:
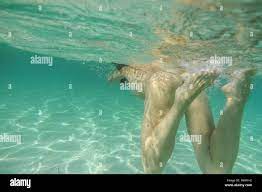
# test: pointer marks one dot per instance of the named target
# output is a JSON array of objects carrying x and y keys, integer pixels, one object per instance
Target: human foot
[{"x": 239, "y": 88}]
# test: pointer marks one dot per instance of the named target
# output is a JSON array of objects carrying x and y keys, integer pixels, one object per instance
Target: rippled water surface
[{"x": 95, "y": 127}]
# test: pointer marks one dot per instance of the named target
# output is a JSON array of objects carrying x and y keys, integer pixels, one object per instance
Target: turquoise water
[{"x": 94, "y": 127}]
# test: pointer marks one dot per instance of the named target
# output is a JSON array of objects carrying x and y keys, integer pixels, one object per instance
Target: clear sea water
[{"x": 94, "y": 127}]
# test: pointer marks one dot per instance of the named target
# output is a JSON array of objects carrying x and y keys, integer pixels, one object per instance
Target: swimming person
[{"x": 168, "y": 96}]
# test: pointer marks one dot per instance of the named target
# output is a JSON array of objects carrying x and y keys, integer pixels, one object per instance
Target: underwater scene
[{"x": 130, "y": 86}]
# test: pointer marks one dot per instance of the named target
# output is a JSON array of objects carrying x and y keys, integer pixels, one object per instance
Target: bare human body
[{"x": 170, "y": 95}]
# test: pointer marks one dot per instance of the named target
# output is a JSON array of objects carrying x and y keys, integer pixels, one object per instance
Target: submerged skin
[
  {"x": 219, "y": 154},
  {"x": 170, "y": 95}
]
